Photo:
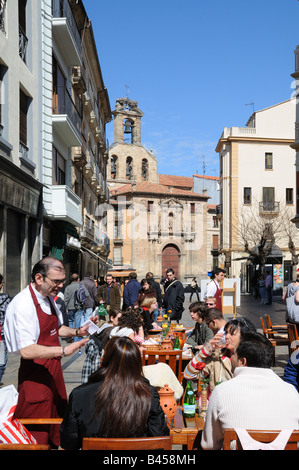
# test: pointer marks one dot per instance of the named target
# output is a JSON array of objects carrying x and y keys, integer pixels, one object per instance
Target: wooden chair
[
  {"x": 24, "y": 447},
  {"x": 293, "y": 337},
  {"x": 261, "y": 436},
  {"x": 281, "y": 328},
  {"x": 142, "y": 443},
  {"x": 265, "y": 332},
  {"x": 171, "y": 357},
  {"x": 276, "y": 338}
]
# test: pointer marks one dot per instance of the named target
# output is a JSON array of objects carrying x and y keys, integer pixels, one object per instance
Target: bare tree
[{"x": 259, "y": 232}]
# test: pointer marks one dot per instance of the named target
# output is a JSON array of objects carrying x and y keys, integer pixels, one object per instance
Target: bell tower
[
  {"x": 129, "y": 161},
  {"x": 127, "y": 122}
]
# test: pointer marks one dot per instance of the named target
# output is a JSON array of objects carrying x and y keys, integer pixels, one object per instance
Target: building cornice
[{"x": 254, "y": 140}]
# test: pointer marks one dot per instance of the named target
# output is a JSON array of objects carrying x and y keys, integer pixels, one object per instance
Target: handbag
[{"x": 12, "y": 430}]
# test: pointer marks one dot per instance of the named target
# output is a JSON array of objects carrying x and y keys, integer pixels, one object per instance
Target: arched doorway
[{"x": 170, "y": 259}]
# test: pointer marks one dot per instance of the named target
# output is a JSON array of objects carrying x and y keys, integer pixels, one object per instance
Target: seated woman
[
  {"x": 94, "y": 408},
  {"x": 213, "y": 359},
  {"x": 148, "y": 306},
  {"x": 130, "y": 324},
  {"x": 201, "y": 333},
  {"x": 96, "y": 344}
]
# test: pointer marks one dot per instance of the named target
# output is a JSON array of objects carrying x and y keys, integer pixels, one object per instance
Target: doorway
[{"x": 171, "y": 259}]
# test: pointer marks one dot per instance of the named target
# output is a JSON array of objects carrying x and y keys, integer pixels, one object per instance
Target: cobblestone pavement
[{"x": 250, "y": 308}]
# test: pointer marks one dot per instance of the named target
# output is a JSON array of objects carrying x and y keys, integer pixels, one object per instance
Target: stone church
[{"x": 154, "y": 221}]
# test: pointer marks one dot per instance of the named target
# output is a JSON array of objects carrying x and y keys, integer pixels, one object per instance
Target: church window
[
  {"x": 144, "y": 169},
  {"x": 129, "y": 168},
  {"x": 113, "y": 167}
]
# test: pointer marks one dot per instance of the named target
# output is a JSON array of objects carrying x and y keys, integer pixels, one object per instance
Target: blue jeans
[
  {"x": 74, "y": 319},
  {"x": 86, "y": 314},
  {"x": 3, "y": 358}
]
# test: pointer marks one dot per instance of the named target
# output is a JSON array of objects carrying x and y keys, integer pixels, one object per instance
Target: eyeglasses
[
  {"x": 210, "y": 303},
  {"x": 57, "y": 282}
]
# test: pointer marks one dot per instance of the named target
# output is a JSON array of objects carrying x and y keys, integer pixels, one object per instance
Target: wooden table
[{"x": 186, "y": 431}]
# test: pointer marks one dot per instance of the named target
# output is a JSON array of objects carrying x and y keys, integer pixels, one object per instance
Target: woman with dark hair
[
  {"x": 214, "y": 359},
  {"x": 130, "y": 324},
  {"x": 94, "y": 409},
  {"x": 147, "y": 290}
]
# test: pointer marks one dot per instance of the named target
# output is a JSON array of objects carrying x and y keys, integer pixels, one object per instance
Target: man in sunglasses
[{"x": 32, "y": 328}]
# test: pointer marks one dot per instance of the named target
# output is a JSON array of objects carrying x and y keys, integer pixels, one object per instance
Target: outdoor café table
[{"x": 186, "y": 431}]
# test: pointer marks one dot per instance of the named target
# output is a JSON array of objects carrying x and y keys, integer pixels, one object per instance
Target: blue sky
[{"x": 194, "y": 67}]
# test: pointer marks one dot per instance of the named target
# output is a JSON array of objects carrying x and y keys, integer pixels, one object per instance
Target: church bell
[{"x": 128, "y": 128}]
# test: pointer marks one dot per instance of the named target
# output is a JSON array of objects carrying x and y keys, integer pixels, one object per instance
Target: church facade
[{"x": 154, "y": 221}]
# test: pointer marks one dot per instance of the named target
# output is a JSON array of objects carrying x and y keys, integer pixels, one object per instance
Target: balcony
[
  {"x": 23, "y": 43},
  {"x": 66, "y": 118},
  {"x": 88, "y": 230},
  {"x": 66, "y": 205},
  {"x": 79, "y": 79},
  {"x": 97, "y": 182},
  {"x": 79, "y": 156},
  {"x": 271, "y": 208},
  {"x": 103, "y": 244},
  {"x": 89, "y": 168},
  {"x": 66, "y": 32}
]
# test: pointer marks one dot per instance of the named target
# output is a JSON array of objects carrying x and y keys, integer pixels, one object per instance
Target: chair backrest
[
  {"x": 141, "y": 443},
  {"x": 171, "y": 357},
  {"x": 230, "y": 435},
  {"x": 268, "y": 321},
  {"x": 293, "y": 336},
  {"x": 24, "y": 447},
  {"x": 265, "y": 330}
]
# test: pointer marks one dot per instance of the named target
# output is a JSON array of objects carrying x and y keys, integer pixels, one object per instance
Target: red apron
[
  {"x": 41, "y": 387},
  {"x": 217, "y": 296}
]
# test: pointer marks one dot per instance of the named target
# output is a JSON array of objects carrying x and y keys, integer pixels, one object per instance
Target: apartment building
[
  {"x": 209, "y": 185},
  {"x": 20, "y": 141},
  {"x": 74, "y": 140},
  {"x": 295, "y": 145},
  {"x": 53, "y": 149},
  {"x": 258, "y": 193}
]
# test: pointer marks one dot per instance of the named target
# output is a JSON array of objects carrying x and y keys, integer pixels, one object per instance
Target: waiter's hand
[
  {"x": 71, "y": 348},
  {"x": 83, "y": 330}
]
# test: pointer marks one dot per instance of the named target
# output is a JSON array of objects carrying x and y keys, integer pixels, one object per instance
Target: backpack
[{"x": 80, "y": 296}]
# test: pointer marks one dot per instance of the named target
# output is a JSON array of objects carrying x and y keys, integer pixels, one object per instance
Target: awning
[
  {"x": 116, "y": 273},
  {"x": 94, "y": 255}
]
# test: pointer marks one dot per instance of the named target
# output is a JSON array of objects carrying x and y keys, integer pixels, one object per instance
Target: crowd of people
[{"x": 231, "y": 355}]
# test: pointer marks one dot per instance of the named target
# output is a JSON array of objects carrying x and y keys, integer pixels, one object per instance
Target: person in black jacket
[
  {"x": 174, "y": 296},
  {"x": 94, "y": 408}
]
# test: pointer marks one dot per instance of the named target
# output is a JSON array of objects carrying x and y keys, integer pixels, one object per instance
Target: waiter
[
  {"x": 213, "y": 289},
  {"x": 32, "y": 328}
]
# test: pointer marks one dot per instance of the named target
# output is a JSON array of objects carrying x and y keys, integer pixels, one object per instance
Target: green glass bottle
[
  {"x": 189, "y": 401},
  {"x": 176, "y": 343}
]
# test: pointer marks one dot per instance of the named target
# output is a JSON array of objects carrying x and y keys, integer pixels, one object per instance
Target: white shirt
[
  {"x": 124, "y": 331},
  {"x": 211, "y": 289},
  {"x": 254, "y": 399},
  {"x": 21, "y": 326}
]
